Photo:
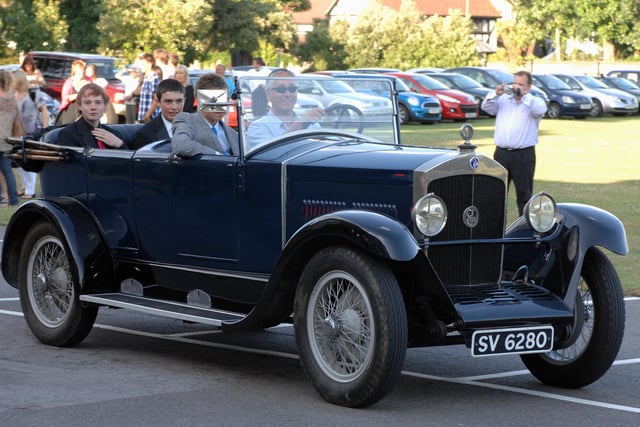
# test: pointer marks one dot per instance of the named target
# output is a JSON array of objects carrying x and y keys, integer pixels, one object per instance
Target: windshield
[
  {"x": 500, "y": 76},
  {"x": 457, "y": 81},
  {"x": 273, "y": 108},
  {"x": 553, "y": 83},
  {"x": 591, "y": 82},
  {"x": 429, "y": 82},
  {"x": 624, "y": 83}
]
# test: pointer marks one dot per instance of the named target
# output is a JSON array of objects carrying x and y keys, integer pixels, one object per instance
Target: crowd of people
[{"x": 158, "y": 93}]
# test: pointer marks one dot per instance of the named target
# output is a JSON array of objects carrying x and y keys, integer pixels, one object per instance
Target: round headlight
[
  {"x": 430, "y": 215},
  {"x": 540, "y": 212}
]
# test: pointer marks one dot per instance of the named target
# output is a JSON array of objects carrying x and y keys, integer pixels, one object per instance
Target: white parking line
[{"x": 536, "y": 393}]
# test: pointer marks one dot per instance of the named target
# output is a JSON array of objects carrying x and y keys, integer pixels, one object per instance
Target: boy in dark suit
[
  {"x": 170, "y": 97},
  {"x": 87, "y": 131}
]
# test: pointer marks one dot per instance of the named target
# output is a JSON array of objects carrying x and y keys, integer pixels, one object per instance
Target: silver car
[
  {"x": 330, "y": 91},
  {"x": 605, "y": 99}
]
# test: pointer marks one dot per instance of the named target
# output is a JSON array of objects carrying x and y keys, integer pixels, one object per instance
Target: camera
[{"x": 511, "y": 90}]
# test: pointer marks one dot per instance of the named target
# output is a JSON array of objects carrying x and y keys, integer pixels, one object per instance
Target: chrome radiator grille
[{"x": 469, "y": 264}]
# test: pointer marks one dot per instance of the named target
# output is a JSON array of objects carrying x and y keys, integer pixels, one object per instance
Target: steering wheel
[{"x": 343, "y": 116}]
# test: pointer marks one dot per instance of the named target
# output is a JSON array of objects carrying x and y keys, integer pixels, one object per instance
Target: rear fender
[
  {"x": 582, "y": 227},
  {"x": 83, "y": 240}
]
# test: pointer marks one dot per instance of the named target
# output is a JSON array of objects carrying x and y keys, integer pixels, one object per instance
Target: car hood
[{"x": 378, "y": 161}]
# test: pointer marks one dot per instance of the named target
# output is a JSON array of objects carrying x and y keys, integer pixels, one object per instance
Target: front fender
[
  {"x": 374, "y": 233},
  {"x": 80, "y": 234},
  {"x": 559, "y": 266}
]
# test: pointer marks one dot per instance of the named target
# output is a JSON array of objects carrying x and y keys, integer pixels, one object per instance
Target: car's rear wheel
[
  {"x": 49, "y": 291},
  {"x": 597, "y": 329},
  {"x": 351, "y": 326},
  {"x": 553, "y": 112},
  {"x": 404, "y": 114},
  {"x": 597, "y": 110}
]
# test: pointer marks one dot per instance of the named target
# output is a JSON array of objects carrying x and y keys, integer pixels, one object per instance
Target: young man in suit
[
  {"x": 87, "y": 131},
  {"x": 170, "y": 97},
  {"x": 203, "y": 132}
]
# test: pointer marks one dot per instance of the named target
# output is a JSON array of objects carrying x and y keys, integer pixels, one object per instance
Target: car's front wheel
[
  {"x": 554, "y": 111},
  {"x": 597, "y": 329},
  {"x": 49, "y": 292},
  {"x": 351, "y": 326},
  {"x": 404, "y": 114},
  {"x": 597, "y": 110}
]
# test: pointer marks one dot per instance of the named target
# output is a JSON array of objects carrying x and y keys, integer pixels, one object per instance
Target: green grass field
[{"x": 588, "y": 161}]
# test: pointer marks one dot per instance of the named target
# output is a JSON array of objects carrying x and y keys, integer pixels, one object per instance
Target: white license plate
[
  {"x": 491, "y": 342},
  {"x": 585, "y": 106},
  {"x": 434, "y": 110},
  {"x": 470, "y": 115}
]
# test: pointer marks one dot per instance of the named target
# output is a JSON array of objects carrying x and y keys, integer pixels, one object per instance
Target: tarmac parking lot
[{"x": 144, "y": 370}]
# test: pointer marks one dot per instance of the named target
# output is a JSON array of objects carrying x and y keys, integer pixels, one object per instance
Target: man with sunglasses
[{"x": 282, "y": 95}]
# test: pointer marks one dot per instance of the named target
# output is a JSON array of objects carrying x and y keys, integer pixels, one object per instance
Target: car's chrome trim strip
[{"x": 257, "y": 277}]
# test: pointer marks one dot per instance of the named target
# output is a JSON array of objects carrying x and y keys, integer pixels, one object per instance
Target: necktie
[{"x": 226, "y": 150}]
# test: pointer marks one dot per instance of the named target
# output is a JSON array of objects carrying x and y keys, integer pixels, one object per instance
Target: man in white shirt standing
[{"x": 518, "y": 114}]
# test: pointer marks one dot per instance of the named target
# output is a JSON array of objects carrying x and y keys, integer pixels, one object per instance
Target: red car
[
  {"x": 56, "y": 67},
  {"x": 456, "y": 105}
]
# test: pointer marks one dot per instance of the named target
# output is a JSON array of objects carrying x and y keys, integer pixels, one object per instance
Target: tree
[
  {"x": 82, "y": 18},
  {"x": 239, "y": 26},
  {"x": 383, "y": 37},
  {"x": 613, "y": 22},
  {"x": 144, "y": 25},
  {"x": 320, "y": 51},
  {"x": 32, "y": 25}
]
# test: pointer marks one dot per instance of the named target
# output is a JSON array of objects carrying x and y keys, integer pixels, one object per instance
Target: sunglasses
[{"x": 283, "y": 89}]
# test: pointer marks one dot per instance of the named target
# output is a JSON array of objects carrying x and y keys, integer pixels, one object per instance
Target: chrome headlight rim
[
  {"x": 541, "y": 212},
  {"x": 430, "y": 215}
]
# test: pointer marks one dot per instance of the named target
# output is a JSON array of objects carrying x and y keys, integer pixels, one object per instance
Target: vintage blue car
[{"x": 366, "y": 245}]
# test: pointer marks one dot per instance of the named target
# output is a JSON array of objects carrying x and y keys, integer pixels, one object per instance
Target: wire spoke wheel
[
  {"x": 351, "y": 326},
  {"x": 50, "y": 284},
  {"x": 49, "y": 290},
  {"x": 596, "y": 332},
  {"x": 341, "y": 326}
]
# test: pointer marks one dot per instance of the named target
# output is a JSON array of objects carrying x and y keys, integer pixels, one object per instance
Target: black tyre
[
  {"x": 49, "y": 292},
  {"x": 597, "y": 330},
  {"x": 597, "y": 110},
  {"x": 351, "y": 326},
  {"x": 404, "y": 114},
  {"x": 553, "y": 112}
]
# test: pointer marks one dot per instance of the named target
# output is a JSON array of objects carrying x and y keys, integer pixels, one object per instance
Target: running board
[{"x": 174, "y": 310}]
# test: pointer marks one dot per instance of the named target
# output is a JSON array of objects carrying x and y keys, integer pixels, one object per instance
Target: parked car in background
[
  {"x": 456, "y": 105},
  {"x": 412, "y": 106},
  {"x": 562, "y": 100},
  {"x": 491, "y": 78},
  {"x": 623, "y": 84},
  {"x": 374, "y": 70},
  {"x": 366, "y": 245},
  {"x": 427, "y": 70},
  {"x": 463, "y": 84},
  {"x": 605, "y": 100},
  {"x": 330, "y": 92},
  {"x": 633, "y": 75},
  {"x": 56, "y": 68}
]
